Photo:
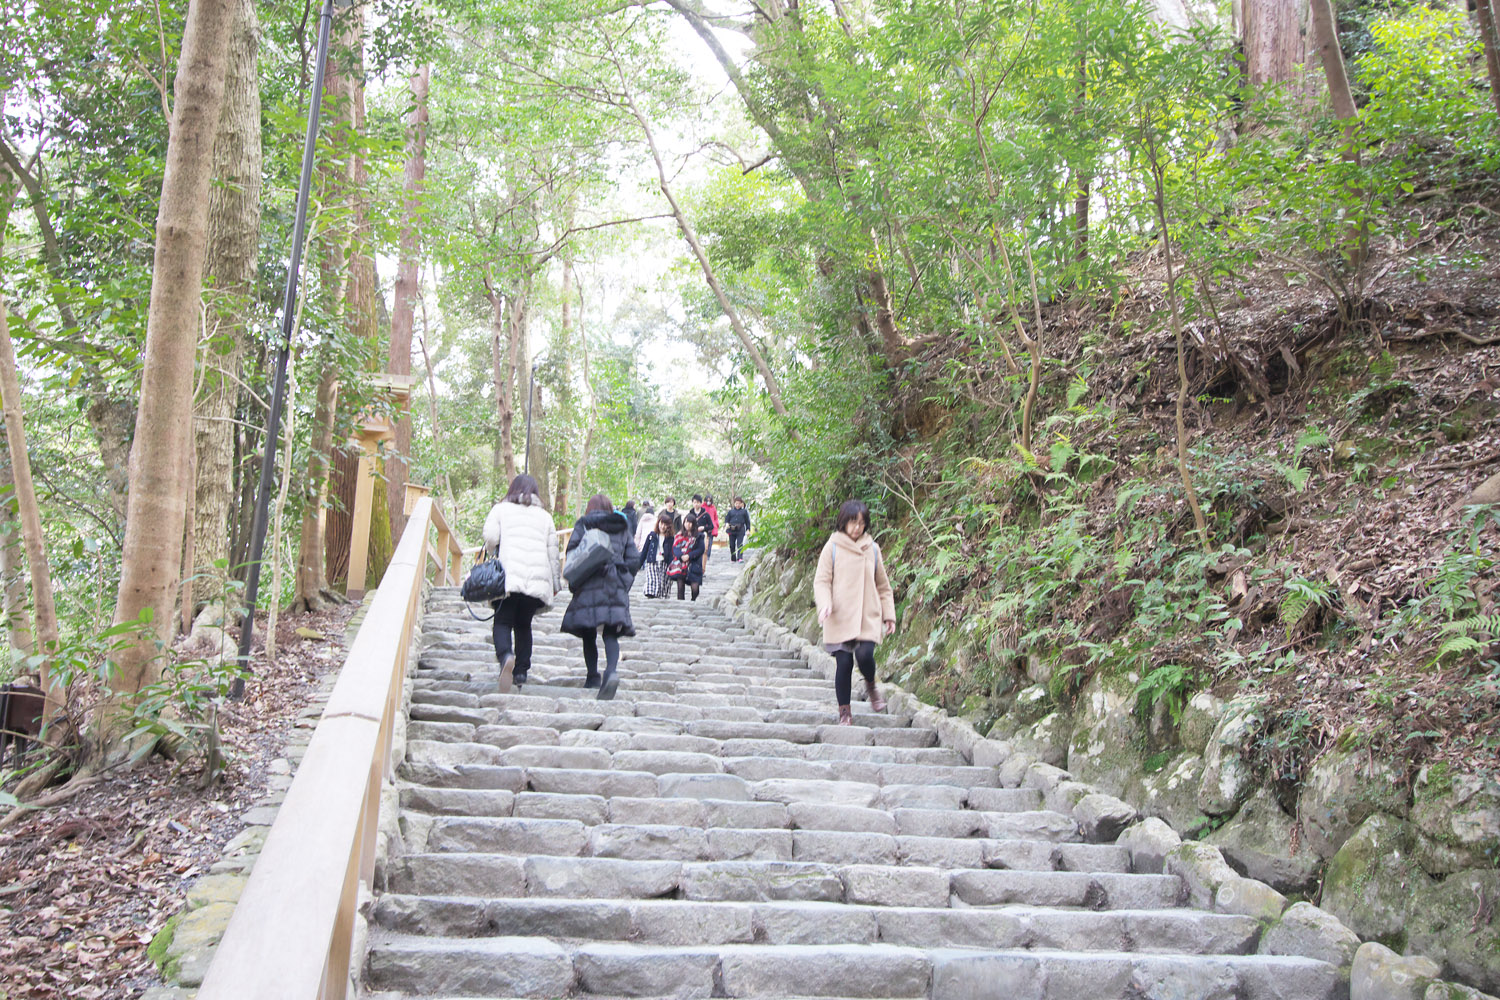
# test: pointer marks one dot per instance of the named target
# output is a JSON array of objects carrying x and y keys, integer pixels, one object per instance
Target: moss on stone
[{"x": 157, "y": 949}]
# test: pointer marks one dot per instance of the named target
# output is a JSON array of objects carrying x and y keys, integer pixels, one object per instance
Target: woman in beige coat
[{"x": 855, "y": 604}]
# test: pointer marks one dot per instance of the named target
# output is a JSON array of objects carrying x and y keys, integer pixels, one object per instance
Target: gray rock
[
  {"x": 1458, "y": 819},
  {"x": 1045, "y": 739},
  {"x": 1200, "y": 717},
  {"x": 1202, "y": 869},
  {"x": 836, "y": 970},
  {"x": 1227, "y": 781},
  {"x": 627, "y": 970},
  {"x": 1103, "y": 747},
  {"x": 1249, "y": 897},
  {"x": 1381, "y": 974},
  {"x": 1372, "y": 879},
  {"x": 1030, "y": 705},
  {"x": 1149, "y": 843},
  {"x": 1446, "y": 923},
  {"x": 881, "y": 885},
  {"x": 1102, "y": 818},
  {"x": 1312, "y": 933},
  {"x": 509, "y": 967},
  {"x": 1171, "y": 793},
  {"x": 1340, "y": 791},
  {"x": 603, "y": 878},
  {"x": 1258, "y": 842}
]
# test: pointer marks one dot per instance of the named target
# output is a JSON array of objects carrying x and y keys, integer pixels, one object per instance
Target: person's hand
[
  {"x": 890, "y": 626},
  {"x": 824, "y": 614}
]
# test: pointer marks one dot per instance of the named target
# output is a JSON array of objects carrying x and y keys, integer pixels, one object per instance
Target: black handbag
[{"x": 485, "y": 583}]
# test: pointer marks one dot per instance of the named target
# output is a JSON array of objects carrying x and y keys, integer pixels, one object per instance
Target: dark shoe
[
  {"x": 877, "y": 703},
  {"x": 507, "y": 674},
  {"x": 592, "y": 680},
  {"x": 608, "y": 685},
  {"x": 520, "y": 677},
  {"x": 846, "y": 717}
]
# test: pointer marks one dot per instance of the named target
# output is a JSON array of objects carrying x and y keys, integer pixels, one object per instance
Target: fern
[
  {"x": 1077, "y": 389},
  {"x": 1488, "y": 625},
  {"x": 1462, "y": 636},
  {"x": 1312, "y": 437},
  {"x": 1303, "y": 595}
]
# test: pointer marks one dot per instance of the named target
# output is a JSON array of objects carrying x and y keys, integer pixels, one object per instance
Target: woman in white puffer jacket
[{"x": 521, "y": 531}]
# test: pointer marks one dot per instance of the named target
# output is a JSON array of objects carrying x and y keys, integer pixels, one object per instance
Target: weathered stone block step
[
  {"x": 531, "y": 745},
  {"x": 680, "y": 923},
  {"x": 534, "y": 967},
  {"x": 594, "y": 836},
  {"x": 611, "y": 734},
  {"x": 548, "y": 875},
  {"x": 726, "y": 830},
  {"x": 429, "y": 706},
  {"x": 640, "y": 784}
]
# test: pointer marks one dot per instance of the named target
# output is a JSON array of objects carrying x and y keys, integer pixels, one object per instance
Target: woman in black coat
[
  {"x": 690, "y": 546},
  {"x": 601, "y": 603}
]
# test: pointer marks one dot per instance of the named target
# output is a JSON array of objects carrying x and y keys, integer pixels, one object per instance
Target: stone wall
[{"x": 1414, "y": 867}]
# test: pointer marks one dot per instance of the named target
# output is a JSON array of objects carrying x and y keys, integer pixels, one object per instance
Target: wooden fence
[{"x": 293, "y": 928}]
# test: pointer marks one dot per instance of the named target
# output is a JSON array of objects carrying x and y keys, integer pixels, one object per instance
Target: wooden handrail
[{"x": 292, "y": 930}]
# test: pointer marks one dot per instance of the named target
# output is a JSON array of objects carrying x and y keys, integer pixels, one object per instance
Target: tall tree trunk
[
  {"x": 1326, "y": 37},
  {"x": 312, "y": 593},
  {"x": 233, "y": 246},
  {"x": 1485, "y": 10},
  {"x": 403, "y": 315},
  {"x": 502, "y": 358},
  {"x": 891, "y": 344},
  {"x": 1276, "y": 46},
  {"x": 518, "y": 320},
  {"x": 361, "y": 314},
  {"x": 152, "y": 552},
  {"x": 45, "y": 633},
  {"x": 16, "y": 621},
  {"x": 1081, "y": 176},
  {"x": 564, "y": 353}
]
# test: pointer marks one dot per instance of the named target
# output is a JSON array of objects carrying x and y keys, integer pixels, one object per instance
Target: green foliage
[{"x": 1303, "y": 596}]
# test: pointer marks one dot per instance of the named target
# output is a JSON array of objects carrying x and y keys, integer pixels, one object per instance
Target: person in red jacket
[{"x": 709, "y": 529}]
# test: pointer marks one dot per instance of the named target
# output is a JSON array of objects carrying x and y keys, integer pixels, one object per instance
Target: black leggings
[
  {"x": 591, "y": 651},
  {"x": 844, "y": 661},
  {"x": 682, "y": 586},
  {"x": 522, "y": 628}
]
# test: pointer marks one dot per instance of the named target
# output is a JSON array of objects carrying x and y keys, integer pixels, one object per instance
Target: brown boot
[
  {"x": 846, "y": 717},
  {"x": 877, "y": 703}
]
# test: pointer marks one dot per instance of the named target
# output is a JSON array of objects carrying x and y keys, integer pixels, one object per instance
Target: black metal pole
[
  {"x": 288, "y": 316},
  {"x": 530, "y": 394}
]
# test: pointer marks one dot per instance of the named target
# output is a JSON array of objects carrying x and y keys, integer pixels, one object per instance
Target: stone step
[
  {"x": 619, "y": 732},
  {"x": 596, "y": 837},
  {"x": 696, "y": 830},
  {"x": 468, "y": 774},
  {"x": 681, "y": 923},
  {"x": 538, "y": 967},
  {"x": 550, "y": 875},
  {"x": 544, "y": 748}
]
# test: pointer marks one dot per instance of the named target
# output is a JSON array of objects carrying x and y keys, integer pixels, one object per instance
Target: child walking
[{"x": 855, "y": 604}]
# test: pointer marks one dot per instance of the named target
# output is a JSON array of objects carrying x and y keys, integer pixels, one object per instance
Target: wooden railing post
[{"x": 293, "y": 928}]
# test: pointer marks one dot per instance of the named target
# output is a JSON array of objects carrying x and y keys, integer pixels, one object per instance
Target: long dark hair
[
  {"x": 524, "y": 490},
  {"x": 852, "y": 510},
  {"x": 665, "y": 517},
  {"x": 599, "y": 504}
]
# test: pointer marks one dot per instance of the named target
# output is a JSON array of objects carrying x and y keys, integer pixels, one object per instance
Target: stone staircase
[{"x": 711, "y": 833}]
